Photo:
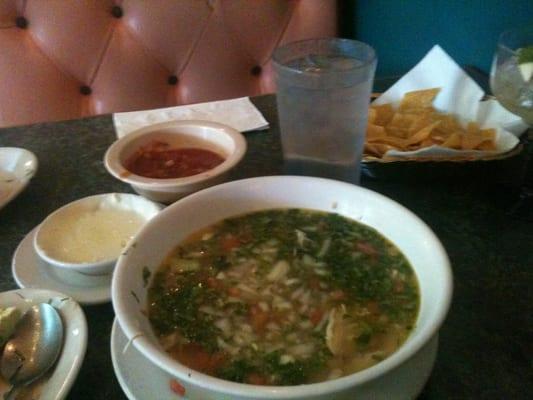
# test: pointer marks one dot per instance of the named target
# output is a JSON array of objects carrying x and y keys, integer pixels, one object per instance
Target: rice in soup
[{"x": 283, "y": 297}]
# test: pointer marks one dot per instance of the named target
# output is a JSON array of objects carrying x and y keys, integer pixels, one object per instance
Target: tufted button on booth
[
  {"x": 172, "y": 80},
  {"x": 85, "y": 90},
  {"x": 256, "y": 71},
  {"x": 210, "y": 45},
  {"x": 21, "y": 22},
  {"x": 117, "y": 12}
]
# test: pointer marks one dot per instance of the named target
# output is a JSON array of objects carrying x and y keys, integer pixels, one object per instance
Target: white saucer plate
[
  {"x": 132, "y": 370},
  {"x": 17, "y": 167},
  {"x": 64, "y": 373},
  {"x": 29, "y": 271}
]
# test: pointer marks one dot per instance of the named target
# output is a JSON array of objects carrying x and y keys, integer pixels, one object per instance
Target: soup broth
[{"x": 283, "y": 297}]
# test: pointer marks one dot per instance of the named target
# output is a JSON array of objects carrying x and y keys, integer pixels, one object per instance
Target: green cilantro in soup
[{"x": 283, "y": 297}]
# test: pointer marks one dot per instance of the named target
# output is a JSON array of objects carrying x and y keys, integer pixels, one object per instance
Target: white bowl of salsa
[
  {"x": 400, "y": 374},
  {"x": 169, "y": 160}
]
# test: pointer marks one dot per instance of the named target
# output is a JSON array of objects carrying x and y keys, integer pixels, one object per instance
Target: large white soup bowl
[{"x": 401, "y": 376}]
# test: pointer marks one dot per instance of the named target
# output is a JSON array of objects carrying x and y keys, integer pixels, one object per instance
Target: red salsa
[{"x": 160, "y": 160}]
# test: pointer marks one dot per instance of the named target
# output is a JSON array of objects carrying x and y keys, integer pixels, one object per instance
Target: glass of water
[
  {"x": 512, "y": 74},
  {"x": 323, "y": 95},
  {"x": 511, "y": 81}
]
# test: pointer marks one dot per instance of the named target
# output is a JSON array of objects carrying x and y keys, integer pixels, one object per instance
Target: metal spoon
[{"x": 34, "y": 346}]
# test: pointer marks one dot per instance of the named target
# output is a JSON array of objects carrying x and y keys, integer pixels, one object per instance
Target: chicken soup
[{"x": 283, "y": 297}]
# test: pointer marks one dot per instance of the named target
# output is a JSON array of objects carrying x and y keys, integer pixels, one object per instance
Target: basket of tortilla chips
[
  {"x": 436, "y": 114},
  {"x": 417, "y": 131}
]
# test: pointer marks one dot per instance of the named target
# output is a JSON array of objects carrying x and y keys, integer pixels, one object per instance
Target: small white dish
[
  {"x": 212, "y": 136},
  {"x": 132, "y": 368},
  {"x": 59, "y": 380},
  {"x": 29, "y": 271},
  {"x": 96, "y": 226},
  {"x": 17, "y": 167}
]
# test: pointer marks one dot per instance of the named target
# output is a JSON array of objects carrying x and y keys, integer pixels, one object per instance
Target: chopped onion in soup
[{"x": 283, "y": 297}]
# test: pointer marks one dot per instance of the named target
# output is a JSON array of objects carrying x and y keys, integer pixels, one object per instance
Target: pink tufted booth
[{"x": 62, "y": 59}]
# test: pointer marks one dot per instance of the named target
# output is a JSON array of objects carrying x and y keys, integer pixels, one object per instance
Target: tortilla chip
[
  {"x": 384, "y": 114},
  {"x": 418, "y": 99},
  {"x": 400, "y": 120},
  {"x": 422, "y": 133},
  {"x": 397, "y": 132},
  {"x": 453, "y": 142},
  {"x": 372, "y": 115},
  {"x": 377, "y": 149},
  {"x": 487, "y": 146},
  {"x": 400, "y": 144},
  {"x": 474, "y": 137},
  {"x": 374, "y": 132},
  {"x": 423, "y": 120}
]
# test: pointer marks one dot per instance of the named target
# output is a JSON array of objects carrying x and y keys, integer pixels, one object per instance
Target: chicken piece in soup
[{"x": 283, "y": 297}]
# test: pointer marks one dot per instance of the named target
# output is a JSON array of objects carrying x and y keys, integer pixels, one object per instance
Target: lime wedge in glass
[{"x": 525, "y": 62}]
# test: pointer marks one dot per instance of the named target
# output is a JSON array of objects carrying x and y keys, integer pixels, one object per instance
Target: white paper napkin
[
  {"x": 239, "y": 113},
  {"x": 459, "y": 95}
]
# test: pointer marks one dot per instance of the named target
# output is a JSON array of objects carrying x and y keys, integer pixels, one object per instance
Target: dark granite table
[{"x": 485, "y": 344}]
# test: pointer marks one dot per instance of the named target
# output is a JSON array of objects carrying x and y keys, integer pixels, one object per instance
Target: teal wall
[{"x": 402, "y": 31}]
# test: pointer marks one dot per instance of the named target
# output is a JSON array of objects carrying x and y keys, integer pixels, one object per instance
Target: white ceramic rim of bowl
[
  {"x": 114, "y": 166},
  {"x": 87, "y": 268},
  {"x": 79, "y": 339},
  {"x": 407, "y": 350}
]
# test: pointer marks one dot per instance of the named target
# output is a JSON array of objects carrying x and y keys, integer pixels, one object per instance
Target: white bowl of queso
[
  {"x": 88, "y": 235},
  {"x": 398, "y": 375}
]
